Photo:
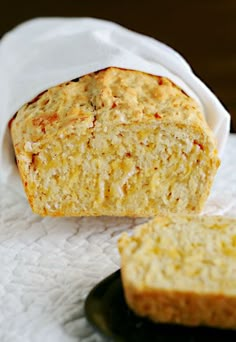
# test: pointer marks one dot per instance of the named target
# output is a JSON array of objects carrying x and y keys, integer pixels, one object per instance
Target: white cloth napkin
[{"x": 44, "y": 52}]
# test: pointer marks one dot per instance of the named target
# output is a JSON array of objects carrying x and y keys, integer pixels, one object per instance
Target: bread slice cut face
[
  {"x": 115, "y": 142},
  {"x": 182, "y": 270}
]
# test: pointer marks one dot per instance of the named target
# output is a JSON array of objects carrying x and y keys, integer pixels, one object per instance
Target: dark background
[{"x": 203, "y": 31}]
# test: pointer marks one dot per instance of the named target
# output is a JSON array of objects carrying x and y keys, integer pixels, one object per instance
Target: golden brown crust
[
  {"x": 182, "y": 270},
  {"x": 117, "y": 142},
  {"x": 192, "y": 309}
]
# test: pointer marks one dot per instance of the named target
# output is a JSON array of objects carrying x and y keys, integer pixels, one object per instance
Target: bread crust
[{"x": 186, "y": 308}]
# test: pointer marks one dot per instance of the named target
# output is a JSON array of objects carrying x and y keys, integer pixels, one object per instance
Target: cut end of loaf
[
  {"x": 182, "y": 270},
  {"x": 116, "y": 142}
]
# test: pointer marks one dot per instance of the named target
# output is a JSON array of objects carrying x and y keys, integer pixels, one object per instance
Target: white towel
[{"x": 44, "y": 52}]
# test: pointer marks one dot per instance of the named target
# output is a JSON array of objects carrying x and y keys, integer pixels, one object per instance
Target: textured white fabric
[
  {"x": 48, "y": 265},
  {"x": 42, "y": 53}
]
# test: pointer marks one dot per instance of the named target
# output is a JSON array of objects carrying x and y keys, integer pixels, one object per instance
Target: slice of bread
[
  {"x": 116, "y": 142},
  {"x": 182, "y": 270}
]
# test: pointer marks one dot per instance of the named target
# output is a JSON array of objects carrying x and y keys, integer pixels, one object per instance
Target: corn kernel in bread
[
  {"x": 182, "y": 270},
  {"x": 117, "y": 142}
]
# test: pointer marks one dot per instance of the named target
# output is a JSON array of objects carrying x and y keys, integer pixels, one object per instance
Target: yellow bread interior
[
  {"x": 182, "y": 270},
  {"x": 185, "y": 254},
  {"x": 117, "y": 142}
]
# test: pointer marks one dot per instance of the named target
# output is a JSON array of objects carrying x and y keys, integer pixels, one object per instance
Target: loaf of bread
[
  {"x": 182, "y": 270},
  {"x": 114, "y": 142}
]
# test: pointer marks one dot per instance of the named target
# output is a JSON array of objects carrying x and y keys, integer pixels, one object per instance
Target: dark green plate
[{"x": 106, "y": 310}]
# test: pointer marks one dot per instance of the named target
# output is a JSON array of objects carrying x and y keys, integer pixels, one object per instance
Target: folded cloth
[{"x": 45, "y": 52}]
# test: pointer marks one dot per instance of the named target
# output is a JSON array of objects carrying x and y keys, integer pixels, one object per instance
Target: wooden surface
[{"x": 204, "y": 32}]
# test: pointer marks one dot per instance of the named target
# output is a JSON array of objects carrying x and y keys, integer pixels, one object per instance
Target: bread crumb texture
[
  {"x": 182, "y": 270},
  {"x": 115, "y": 142}
]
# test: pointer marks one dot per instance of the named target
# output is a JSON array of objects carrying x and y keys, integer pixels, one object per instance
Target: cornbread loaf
[
  {"x": 114, "y": 142},
  {"x": 182, "y": 270}
]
